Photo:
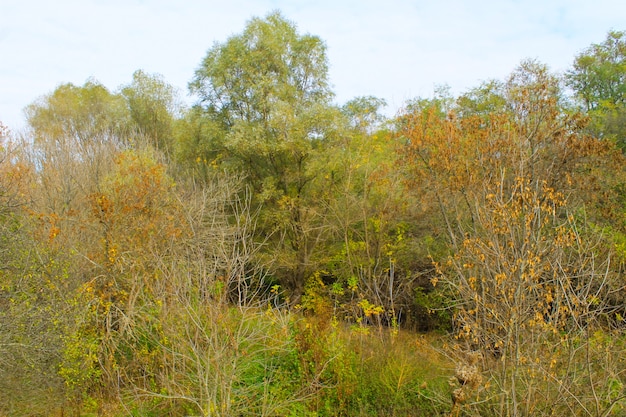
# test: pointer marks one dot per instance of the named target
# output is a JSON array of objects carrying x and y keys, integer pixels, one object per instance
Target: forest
[{"x": 268, "y": 252}]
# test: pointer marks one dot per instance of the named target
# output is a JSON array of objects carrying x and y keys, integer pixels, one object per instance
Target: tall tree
[
  {"x": 153, "y": 107},
  {"x": 598, "y": 78},
  {"x": 82, "y": 113},
  {"x": 265, "y": 95},
  {"x": 599, "y": 72}
]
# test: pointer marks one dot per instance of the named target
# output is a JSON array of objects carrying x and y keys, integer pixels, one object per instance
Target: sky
[{"x": 393, "y": 49}]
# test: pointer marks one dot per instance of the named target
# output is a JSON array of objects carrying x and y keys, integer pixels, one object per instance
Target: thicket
[{"x": 268, "y": 252}]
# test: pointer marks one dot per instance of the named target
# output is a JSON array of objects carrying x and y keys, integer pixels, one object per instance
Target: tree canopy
[
  {"x": 268, "y": 252},
  {"x": 598, "y": 78}
]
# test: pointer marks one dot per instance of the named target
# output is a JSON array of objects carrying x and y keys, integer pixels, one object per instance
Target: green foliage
[
  {"x": 598, "y": 78},
  {"x": 442, "y": 102},
  {"x": 199, "y": 149},
  {"x": 599, "y": 72},
  {"x": 79, "y": 364},
  {"x": 608, "y": 121},
  {"x": 36, "y": 312},
  {"x": 153, "y": 106},
  {"x": 244, "y": 78},
  {"x": 358, "y": 374},
  {"x": 84, "y": 113},
  {"x": 483, "y": 100},
  {"x": 265, "y": 110},
  {"x": 227, "y": 361},
  {"x": 266, "y": 90},
  {"x": 364, "y": 113},
  {"x": 268, "y": 253}
]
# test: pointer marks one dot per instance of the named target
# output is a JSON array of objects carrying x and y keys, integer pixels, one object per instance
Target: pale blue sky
[{"x": 393, "y": 49}]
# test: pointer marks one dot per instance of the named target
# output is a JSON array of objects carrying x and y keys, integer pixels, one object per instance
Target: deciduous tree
[
  {"x": 509, "y": 183},
  {"x": 265, "y": 96},
  {"x": 598, "y": 78},
  {"x": 153, "y": 107}
]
